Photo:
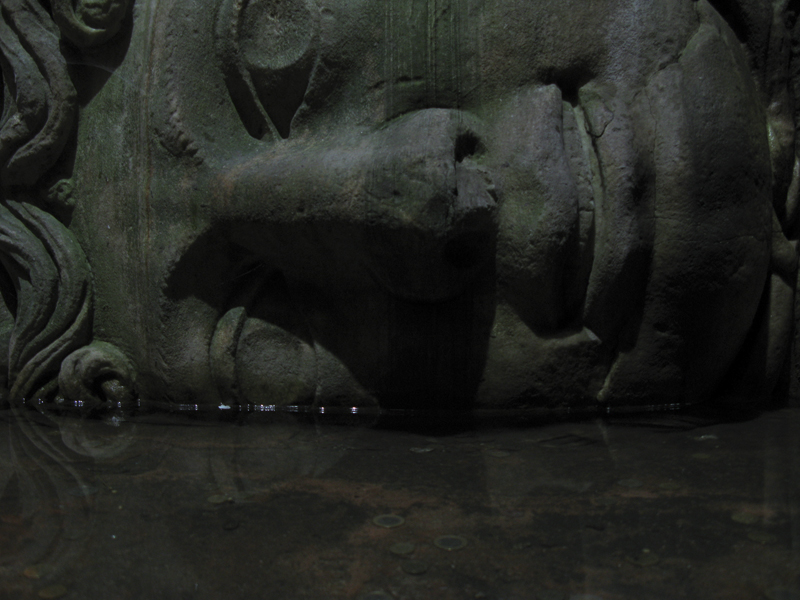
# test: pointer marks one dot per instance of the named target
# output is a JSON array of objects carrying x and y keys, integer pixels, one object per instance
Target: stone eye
[{"x": 268, "y": 52}]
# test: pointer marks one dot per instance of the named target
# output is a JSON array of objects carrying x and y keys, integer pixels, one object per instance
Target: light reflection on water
[
  {"x": 176, "y": 506},
  {"x": 247, "y": 410}
]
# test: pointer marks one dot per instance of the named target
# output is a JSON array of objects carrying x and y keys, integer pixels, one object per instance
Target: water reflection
[
  {"x": 44, "y": 511},
  {"x": 177, "y": 507}
]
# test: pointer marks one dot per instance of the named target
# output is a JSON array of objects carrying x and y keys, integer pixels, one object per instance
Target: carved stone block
[{"x": 427, "y": 204}]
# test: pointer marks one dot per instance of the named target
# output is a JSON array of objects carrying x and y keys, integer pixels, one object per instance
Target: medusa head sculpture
[{"x": 442, "y": 204}]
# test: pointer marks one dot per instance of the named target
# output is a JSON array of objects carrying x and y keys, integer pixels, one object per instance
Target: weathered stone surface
[{"x": 398, "y": 203}]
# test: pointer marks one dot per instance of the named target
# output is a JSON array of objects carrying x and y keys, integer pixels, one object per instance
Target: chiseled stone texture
[{"x": 399, "y": 203}]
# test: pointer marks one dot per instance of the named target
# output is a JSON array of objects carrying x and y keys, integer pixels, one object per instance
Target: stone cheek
[{"x": 416, "y": 204}]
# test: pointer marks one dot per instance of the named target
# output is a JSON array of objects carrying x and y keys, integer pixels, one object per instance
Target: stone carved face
[{"x": 440, "y": 204}]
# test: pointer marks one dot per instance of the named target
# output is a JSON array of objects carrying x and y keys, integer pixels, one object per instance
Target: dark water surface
[{"x": 661, "y": 507}]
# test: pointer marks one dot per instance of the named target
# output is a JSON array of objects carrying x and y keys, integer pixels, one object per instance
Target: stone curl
[
  {"x": 39, "y": 105},
  {"x": 45, "y": 278},
  {"x": 89, "y": 22},
  {"x": 39, "y": 100}
]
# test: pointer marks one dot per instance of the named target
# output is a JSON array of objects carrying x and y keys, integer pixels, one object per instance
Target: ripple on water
[
  {"x": 402, "y": 548},
  {"x": 389, "y": 521},
  {"x": 415, "y": 567},
  {"x": 450, "y": 542},
  {"x": 34, "y": 571}
]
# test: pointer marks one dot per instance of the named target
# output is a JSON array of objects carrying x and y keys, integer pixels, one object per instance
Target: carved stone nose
[
  {"x": 472, "y": 217},
  {"x": 431, "y": 206}
]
